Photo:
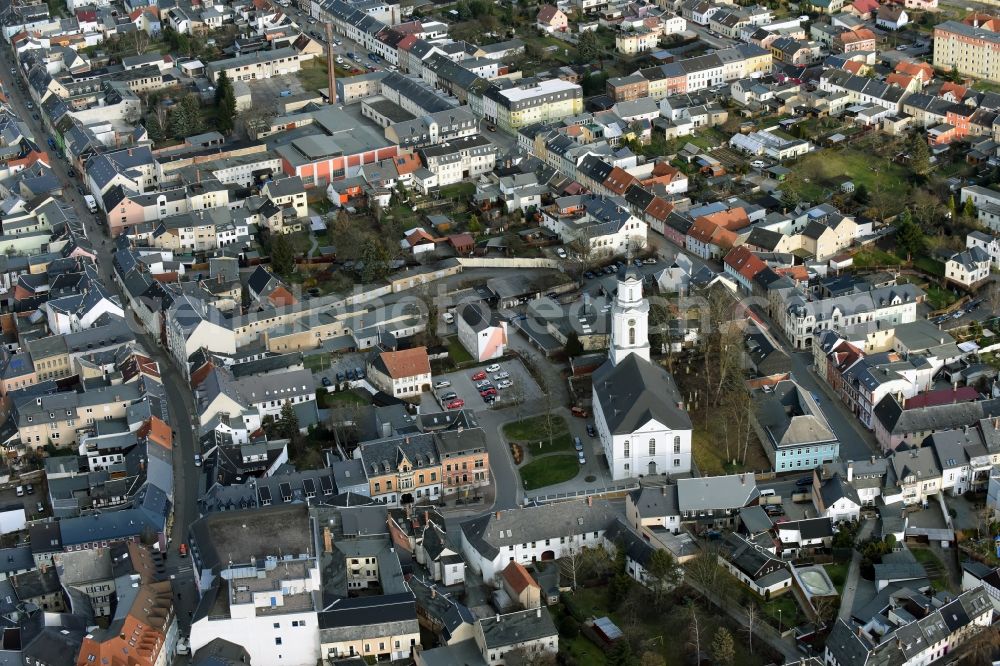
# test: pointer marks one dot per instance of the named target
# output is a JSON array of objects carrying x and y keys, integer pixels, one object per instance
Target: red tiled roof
[
  {"x": 547, "y": 13},
  {"x": 518, "y": 577},
  {"x": 407, "y": 363}
]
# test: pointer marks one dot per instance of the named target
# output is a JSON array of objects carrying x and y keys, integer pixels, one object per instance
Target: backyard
[
  {"x": 936, "y": 571},
  {"x": 822, "y": 172},
  {"x": 837, "y": 572},
  {"x": 666, "y": 633},
  {"x": 339, "y": 399}
]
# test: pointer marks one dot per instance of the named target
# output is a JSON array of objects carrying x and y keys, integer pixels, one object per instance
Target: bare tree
[
  {"x": 140, "y": 41},
  {"x": 751, "y": 610},
  {"x": 694, "y": 630},
  {"x": 583, "y": 562}
]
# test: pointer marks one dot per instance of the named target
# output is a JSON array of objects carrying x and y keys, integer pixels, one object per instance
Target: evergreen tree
[
  {"x": 282, "y": 256},
  {"x": 288, "y": 422},
  {"x": 662, "y": 573},
  {"x": 969, "y": 210},
  {"x": 951, "y": 205},
  {"x": 722, "y": 647},
  {"x": 376, "y": 260},
  {"x": 910, "y": 239},
  {"x": 621, "y": 655},
  {"x": 180, "y": 122},
  {"x": 225, "y": 103},
  {"x": 588, "y": 48},
  {"x": 154, "y": 128},
  {"x": 474, "y": 224},
  {"x": 920, "y": 157},
  {"x": 573, "y": 346}
]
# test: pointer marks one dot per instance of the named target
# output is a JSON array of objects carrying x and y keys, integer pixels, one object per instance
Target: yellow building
[{"x": 526, "y": 104}]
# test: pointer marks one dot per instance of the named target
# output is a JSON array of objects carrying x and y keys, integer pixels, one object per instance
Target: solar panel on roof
[
  {"x": 310, "y": 487},
  {"x": 286, "y": 492},
  {"x": 327, "y": 485}
]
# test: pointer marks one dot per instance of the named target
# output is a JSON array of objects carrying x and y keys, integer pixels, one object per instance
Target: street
[{"x": 186, "y": 476}]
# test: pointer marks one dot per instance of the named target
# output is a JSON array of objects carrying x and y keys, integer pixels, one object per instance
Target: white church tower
[{"x": 629, "y": 319}]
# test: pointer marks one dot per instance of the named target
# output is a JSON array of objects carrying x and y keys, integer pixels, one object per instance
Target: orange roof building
[{"x": 405, "y": 373}]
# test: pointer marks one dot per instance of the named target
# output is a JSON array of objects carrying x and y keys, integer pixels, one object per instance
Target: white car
[
  {"x": 501, "y": 375},
  {"x": 561, "y": 252},
  {"x": 758, "y": 164},
  {"x": 340, "y": 61},
  {"x": 493, "y": 368},
  {"x": 444, "y": 383},
  {"x": 505, "y": 384}
]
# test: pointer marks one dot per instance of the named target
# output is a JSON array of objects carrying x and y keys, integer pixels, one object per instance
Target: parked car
[
  {"x": 482, "y": 386},
  {"x": 359, "y": 372},
  {"x": 72, "y": 173},
  {"x": 804, "y": 481},
  {"x": 591, "y": 430},
  {"x": 581, "y": 458},
  {"x": 183, "y": 550},
  {"x": 479, "y": 376},
  {"x": 19, "y": 491},
  {"x": 579, "y": 412},
  {"x": 589, "y": 275},
  {"x": 456, "y": 404},
  {"x": 501, "y": 375},
  {"x": 30, "y": 489},
  {"x": 649, "y": 261},
  {"x": 488, "y": 392},
  {"x": 495, "y": 367},
  {"x": 326, "y": 382},
  {"x": 506, "y": 383},
  {"x": 340, "y": 377},
  {"x": 39, "y": 507},
  {"x": 450, "y": 395},
  {"x": 79, "y": 188},
  {"x": 197, "y": 460},
  {"x": 577, "y": 444},
  {"x": 442, "y": 383},
  {"x": 561, "y": 252}
]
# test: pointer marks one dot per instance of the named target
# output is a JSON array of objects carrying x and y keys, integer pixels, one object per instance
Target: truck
[{"x": 91, "y": 202}]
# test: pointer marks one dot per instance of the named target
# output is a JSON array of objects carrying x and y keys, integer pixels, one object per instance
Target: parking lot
[
  {"x": 464, "y": 388},
  {"x": 340, "y": 363}
]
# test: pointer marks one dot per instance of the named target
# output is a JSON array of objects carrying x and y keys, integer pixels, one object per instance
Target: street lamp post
[{"x": 779, "y": 621}]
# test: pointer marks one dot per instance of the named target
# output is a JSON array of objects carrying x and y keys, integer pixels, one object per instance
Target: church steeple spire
[{"x": 629, "y": 318}]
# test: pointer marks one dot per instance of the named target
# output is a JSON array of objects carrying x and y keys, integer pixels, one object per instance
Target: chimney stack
[
  {"x": 850, "y": 472},
  {"x": 331, "y": 74}
]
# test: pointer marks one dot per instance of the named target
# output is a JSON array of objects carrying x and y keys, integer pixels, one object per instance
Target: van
[
  {"x": 767, "y": 492},
  {"x": 20, "y": 491},
  {"x": 448, "y": 318}
]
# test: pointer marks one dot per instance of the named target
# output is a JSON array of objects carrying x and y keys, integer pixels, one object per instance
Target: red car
[
  {"x": 456, "y": 404},
  {"x": 479, "y": 376},
  {"x": 488, "y": 392}
]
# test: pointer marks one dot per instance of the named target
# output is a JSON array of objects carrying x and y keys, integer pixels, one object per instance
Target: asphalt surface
[{"x": 186, "y": 476}]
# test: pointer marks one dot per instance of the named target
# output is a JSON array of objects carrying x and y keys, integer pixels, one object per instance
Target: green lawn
[
  {"x": 825, "y": 169},
  {"x": 935, "y": 568},
  {"x": 549, "y": 470},
  {"x": 939, "y": 298},
  {"x": 458, "y": 353},
  {"x": 870, "y": 257},
  {"x": 532, "y": 434},
  {"x": 313, "y": 74},
  {"x": 458, "y": 191},
  {"x": 790, "y": 614},
  {"x": 531, "y": 429},
  {"x": 838, "y": 574},
  {"x": 316, "y": 362},
  {"x": 339, "y": 399},
  {"x": 929, "y": 266}
]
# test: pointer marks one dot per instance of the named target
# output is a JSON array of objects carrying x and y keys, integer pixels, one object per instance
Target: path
[{"x": 853, "y": 572}]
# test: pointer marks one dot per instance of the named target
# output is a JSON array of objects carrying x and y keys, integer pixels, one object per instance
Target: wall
[{"x": 481, "y": 262}]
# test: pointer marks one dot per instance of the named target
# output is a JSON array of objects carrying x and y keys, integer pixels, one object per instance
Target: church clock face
[{"x": 631, "y": 322}]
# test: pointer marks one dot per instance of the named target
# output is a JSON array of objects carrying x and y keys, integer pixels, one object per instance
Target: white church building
[{"x": 638, "y": 411}]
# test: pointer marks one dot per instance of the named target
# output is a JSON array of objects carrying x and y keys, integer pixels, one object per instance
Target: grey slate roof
[
  {"x": 517, "y": 627},
  {"x": 634, "y": 392},
  {"x": 488, "y": 534},
  {"x": 733, "y": 491}
]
